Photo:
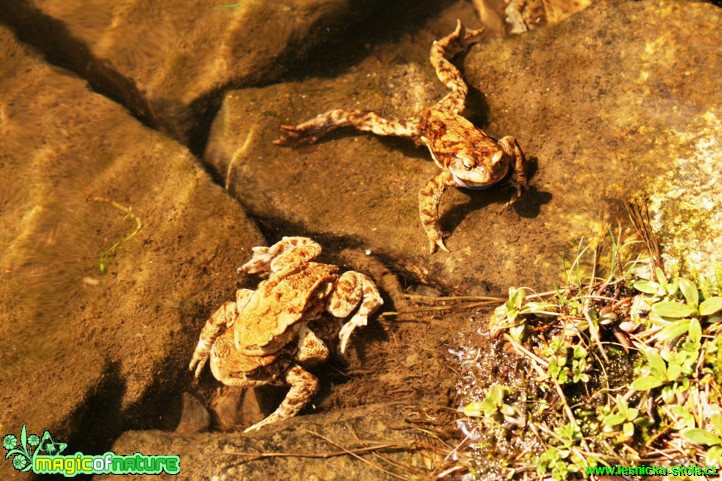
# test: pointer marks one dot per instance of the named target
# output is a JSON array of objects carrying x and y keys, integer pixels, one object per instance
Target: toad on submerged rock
[
  {"x": 264, "y": 336},
  {"x": 466, "y": 155}
]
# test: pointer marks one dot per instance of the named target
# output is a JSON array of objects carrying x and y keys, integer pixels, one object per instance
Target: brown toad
[
  {"x": 466, "y": 155},
  {"x": 264, "y": 337}
]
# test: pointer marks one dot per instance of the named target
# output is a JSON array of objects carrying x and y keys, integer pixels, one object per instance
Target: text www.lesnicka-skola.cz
[{"x": 648, "y": 470}]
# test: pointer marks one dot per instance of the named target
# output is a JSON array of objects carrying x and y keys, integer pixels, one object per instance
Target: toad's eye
[{"x": 467, "y": 165}]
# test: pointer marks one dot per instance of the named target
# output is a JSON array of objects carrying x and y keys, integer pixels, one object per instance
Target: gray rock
[
  {"x": 82, "y": 352},
  {"x": 601, "y": 109},
  {"x": 314, "y": 448}
]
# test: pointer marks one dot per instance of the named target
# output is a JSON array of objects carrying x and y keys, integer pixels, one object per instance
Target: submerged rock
[
  {"x": 594, "y": 104},
  {"x": 85, "y": 354},
  {"x": 167, "y": 61},
  {"x": 613, "y": 112}
]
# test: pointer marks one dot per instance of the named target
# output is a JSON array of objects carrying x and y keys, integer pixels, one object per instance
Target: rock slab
[
  {"x": 600, "y": 109},
  {"x": 86, "y": 354}
]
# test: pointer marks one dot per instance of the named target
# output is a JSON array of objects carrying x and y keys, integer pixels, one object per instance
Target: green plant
[
  {"x": 671, "y": 330},
  {"x": 622, "y": 415},
  {"x": 493, "y": 405},
  {"x": 698, "y": 436},
  {"x": 108, "y": 254},
  {"x": 564, "y": 457}
]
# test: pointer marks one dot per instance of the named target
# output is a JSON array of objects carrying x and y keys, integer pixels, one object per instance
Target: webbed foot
[
  {"x": 198, "y": 361},
  {"x": 345, "y": 334},
  {"x": 436, "y": 239}
]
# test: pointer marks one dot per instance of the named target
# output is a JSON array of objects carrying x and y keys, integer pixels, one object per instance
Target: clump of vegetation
[
  {"x": 108, "y": 254},
  {"x": 627, "y": 367}
]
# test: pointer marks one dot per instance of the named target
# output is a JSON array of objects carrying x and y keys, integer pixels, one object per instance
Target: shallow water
[{"x": 603, "y": 114}]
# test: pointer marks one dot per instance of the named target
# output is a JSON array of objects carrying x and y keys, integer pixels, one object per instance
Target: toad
[
  {"x": 467, "y": 156},
  {"x": 263, "y": 337}
]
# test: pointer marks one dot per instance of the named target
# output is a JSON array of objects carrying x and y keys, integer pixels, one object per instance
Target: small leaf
[
  {"x": 700, "y": 436},
  {"x": 710, "y": 306},
  {"x": 660, "y": 276},
  {"x": 496, "y": 394},
  {"x": 628, "y": 430},
  {"x": 674, "y": 329},
  {"x": 516, "y": 296},
  {"x": 488, "y": 407},
  {"x": 517, "y": 332},
  {"x": 672, "y": 287},
  {"x": 648, "y": 287},
  {"x": 579, "y": 352},
  {"x": 714, "y": 455},
  {"x": 540, "y": 308},
  {"x": 673, "y": 371},
  {"x": 473, "y": 409},
  {"x": 632, "y": 414},
  {"x": 656, "y": 364},
  {"x": 646, "y": 383},
  {"x": 673, "y": 309},
  {"x": 24, "y": 437},
  {"x": 686, "y": 420},
  {"x": 695, "y": 331},
  {"x": 507, "y": 410},
  {"x": 716, "y": 420},
  {"x": 689, "y": 291},
  {"x": 669, "y": 395}
]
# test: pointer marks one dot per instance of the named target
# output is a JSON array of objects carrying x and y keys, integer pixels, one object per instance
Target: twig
[
  {"x": 568, "y": 412},
  {"x": 522, "y": 350},
  {"x": 469, "y": 305},
  {"x": 639, "y": 215},
  {"x": 453, "y": 469},
  {"x": 352, "y": 453},
  {"x": 331, "y": 454},
  {"x": 455, "y": 298},
  {"x": 385, "y": 459}
]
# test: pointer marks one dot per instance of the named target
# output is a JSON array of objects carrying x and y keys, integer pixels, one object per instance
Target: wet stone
[
  {"x": 86, "y": 354},
  {"x": 166, "y": 61},
  {"x": 601, "y": 112},
  {"x": 612, "y": 113},
  {"x": 311, "y": 448}
]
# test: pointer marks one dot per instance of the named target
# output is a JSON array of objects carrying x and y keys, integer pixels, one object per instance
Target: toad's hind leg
[
  {"x": 441, "y": 51},
  {"x": 364, "y": 120},
  {"x": 287, "y": 251},
  {"x": 429, "y": 200},
  {"x": 351, "y": 289},
  {"x": 304, "y": 386}
]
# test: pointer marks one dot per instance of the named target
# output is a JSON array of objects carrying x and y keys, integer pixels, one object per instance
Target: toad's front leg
[
  {"x": 364, "y": 120},
  {"x": 429, "y": 200},
  {"x": 218, "y": 322},
  {"x": 512, "y": 150}
]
